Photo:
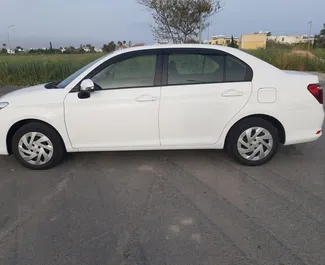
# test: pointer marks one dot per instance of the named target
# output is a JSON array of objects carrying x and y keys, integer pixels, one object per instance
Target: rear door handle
[
  {"x": 232, "y": 93},
  {"x": 145, "y": 98}
]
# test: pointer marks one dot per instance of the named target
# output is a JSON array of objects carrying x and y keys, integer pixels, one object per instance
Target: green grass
[
  {"x": 26, "y": 70},
  {"x": 286, "y": 60},
  {"x": 319, "y": 52}
]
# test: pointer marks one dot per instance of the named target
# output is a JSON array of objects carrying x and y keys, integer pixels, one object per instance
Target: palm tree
[{"x": 4, "y": 45}]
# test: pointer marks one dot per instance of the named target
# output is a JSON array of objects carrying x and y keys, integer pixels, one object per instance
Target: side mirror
[{"x": 86, "y": 87}]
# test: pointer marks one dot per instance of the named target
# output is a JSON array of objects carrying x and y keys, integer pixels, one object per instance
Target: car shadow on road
[{"x": 9, "y": 163}]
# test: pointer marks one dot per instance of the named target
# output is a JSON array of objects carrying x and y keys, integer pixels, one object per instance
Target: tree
[
  {"x": 90, "y": 47},
  {"x": 70, "y": 49},
  {"x": 4, "y": 50},
  {"x": 269, "y": 34},
  {"x": 180, "y": 20},
  {"x": 121, "y": 45},
  {"x": 110, "y": 47},
  {"x": 19, "y": 49},
  {"x": 191, "y": 41},
  {"x": 320, "y": 39},
  {"x": 4, "y": 46},
  {"x": 233, "y": 44},
  {"x": 322, "y": 32}
]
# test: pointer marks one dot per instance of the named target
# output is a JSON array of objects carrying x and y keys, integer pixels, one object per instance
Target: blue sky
[{"x": 72, "y": 22}]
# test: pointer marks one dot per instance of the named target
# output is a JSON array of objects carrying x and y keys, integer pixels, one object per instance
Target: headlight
[{"x": 3, "y": 105}]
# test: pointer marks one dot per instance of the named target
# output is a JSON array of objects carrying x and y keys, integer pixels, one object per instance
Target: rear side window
[
  {"x": 195, "y": 69},
  {"x": 236, "y": 70}
]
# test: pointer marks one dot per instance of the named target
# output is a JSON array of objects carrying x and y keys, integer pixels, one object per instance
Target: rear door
[{"x": 202, "y": 91}]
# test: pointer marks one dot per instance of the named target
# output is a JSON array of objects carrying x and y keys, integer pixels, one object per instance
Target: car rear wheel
[
  {"x": 38, "y": 146},
  {"x": 253, "y": 141}
]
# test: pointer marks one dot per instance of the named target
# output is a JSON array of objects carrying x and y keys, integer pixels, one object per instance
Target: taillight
[{"x": 317, "y": 92}]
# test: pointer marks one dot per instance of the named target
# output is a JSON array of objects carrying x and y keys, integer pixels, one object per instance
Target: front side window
[
  {"x": 138, "y": 71},
  {"x": 72, "y": 77},
  {"x": 195, "y": 68}
]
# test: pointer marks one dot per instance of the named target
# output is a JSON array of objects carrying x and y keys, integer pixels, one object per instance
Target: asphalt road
[{"x": 165, "y": 207}]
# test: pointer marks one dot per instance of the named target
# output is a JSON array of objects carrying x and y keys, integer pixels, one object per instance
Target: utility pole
[
  {"x": 310, "y": 28},
  {"x": 9, "y": 43},
  {"x": 201, "y": 29}
]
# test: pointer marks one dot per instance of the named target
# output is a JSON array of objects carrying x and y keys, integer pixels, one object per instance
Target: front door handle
[
  {"x": 145, "y": 98},
  {"x": 232, "y": 93}
]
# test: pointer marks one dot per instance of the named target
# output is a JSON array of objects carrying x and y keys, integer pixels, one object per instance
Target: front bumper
[{"x": 3, "y": 143}]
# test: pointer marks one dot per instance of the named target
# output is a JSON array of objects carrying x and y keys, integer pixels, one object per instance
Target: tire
[
  {"x": 45, "y": 151},
  {"x": 249, "y": 150}
]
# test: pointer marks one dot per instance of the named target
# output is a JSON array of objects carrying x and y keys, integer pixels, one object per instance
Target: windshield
[{"x": 69, "y": 79}]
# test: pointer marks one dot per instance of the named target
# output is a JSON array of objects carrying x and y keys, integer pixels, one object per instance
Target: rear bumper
[
  {"x": 303, "y": 126},
  {"x": 307, "y": 137}
]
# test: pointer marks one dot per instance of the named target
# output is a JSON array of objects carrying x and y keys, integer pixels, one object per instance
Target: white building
[
  {"x": 98, "y": 50},
  {"x": 9, "y": 51},
  {"x": 159, "y": 42},
  {"x": 285, "y": 39}
]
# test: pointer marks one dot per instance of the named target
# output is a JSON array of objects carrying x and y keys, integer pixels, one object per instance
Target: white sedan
[{"x": 164, "y": 97}]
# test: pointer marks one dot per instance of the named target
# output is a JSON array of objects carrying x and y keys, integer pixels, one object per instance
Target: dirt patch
[{"x": 304, "y": 53}]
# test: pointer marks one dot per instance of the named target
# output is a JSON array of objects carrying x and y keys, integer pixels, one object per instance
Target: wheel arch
[
  {"x": 15, "y": 127},
  {"x": 275, "y": 122}
]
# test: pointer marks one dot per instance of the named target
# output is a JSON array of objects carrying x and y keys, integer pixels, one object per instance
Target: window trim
[
  {"x": 200, "y": 51},
  {"x": 125, "y": 56}
]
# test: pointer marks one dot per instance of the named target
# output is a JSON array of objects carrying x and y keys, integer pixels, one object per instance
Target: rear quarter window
[{"x": 237, "y": 70}]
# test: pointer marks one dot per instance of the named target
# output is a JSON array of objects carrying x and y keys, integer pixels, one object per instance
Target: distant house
[
  {"x": 86, "y": 49},
  {"x": 163, "y": 42},
  {"x": 121, "y": 46},
  {"x": 98, "y": 50},
  {"x": 9, "y": 51},
  {"x": 252, "y": 41},
  {"x": 139, "y": 44},
  {"x": 290, "y": 40},
  {"x": 221, "y": 40}
]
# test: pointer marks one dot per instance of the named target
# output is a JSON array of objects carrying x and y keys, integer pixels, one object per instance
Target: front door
[
  {"x": 202, "y": 93},
  {"x": 122, "y": 112}
]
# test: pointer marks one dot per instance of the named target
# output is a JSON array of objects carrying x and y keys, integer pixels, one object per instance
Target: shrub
[{"x": 288, "y": 60}]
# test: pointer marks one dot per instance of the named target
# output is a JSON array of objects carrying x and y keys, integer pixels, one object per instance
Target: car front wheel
[
  {"x": 38, "y": 146},
  {"x": 253, "y": 141}
]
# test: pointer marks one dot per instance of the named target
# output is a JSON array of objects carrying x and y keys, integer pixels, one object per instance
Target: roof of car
[
  {"x": 226, "y": 49},
  {"x": 169, "y": 46}
]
